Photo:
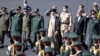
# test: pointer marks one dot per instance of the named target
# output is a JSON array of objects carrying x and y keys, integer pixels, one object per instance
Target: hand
[
  {"x": 8, "y": 29},
  {"x": 83, "y": 34},
  {"x": 56, "y": 32}
]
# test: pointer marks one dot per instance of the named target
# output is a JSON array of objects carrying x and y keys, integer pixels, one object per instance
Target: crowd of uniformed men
[{"x": 65, "y": 36}]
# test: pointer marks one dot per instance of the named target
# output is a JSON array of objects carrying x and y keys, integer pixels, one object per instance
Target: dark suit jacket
[{"x": 79, "y": 27}]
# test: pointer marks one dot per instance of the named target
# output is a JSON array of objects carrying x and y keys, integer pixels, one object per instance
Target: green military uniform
[
  {"x": 26, "y": 28},
  {"x": 37, "y": 23},
  {"x": 15, "y": 22},
  {"x": 72, "y": 37},
  {"x": 92, "y": 28},
  {"x": 46, "y": 41},
  {"x": 4, "y": 23},
  {"x": 38, "y": 43},
  {"x": 65, "y": 48},
  {"x": 95, "y": 49},
  {"x": 15, "y": 48}
]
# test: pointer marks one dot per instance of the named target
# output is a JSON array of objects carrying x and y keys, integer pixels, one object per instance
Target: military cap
[
  {"x": 54, "y": 7},
  {"x": 46, "y": 39},
  {"x": 95, "y": 36},
  {"x": 42, "y": 29},
  {"x": 76, "y": 43},
  {"x": 66, "y": 34},
  {"x": 73, "y": 35},
  {"x": 48, "y": 49},
  {"x": 86, "y": 53},
  {"x": 18, "y": 7}
]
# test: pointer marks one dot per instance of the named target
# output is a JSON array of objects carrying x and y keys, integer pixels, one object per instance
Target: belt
[{"x": 64, "y": 23}]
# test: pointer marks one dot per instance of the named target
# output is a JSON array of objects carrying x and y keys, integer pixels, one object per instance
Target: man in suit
[{"x": 79, "y": 26}]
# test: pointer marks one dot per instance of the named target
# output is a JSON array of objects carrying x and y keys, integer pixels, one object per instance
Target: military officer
[
  {"x": 92, "y": 28},
  {"x": 65, "y": 20},
  {"x": 26, "y": 27},
  {"x": 42, "y": 34},
  {"x": 72, "y": 38},
  {"x": 15, "y": 21},
  {"x": 19, "y": 46},
  {"x": 65, "y": 48},
  {"x": 15, "y": 48},
  {"x": 45, "y": 42},
  {"x": 95, "y": 49},
  {"x": 4, "y": 23},
  {"x": 37, "y": 22},
  {"x": 78, "y": 48}
]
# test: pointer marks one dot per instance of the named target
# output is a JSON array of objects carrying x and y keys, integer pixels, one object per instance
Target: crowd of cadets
[{"x": 27, "y": 26}]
